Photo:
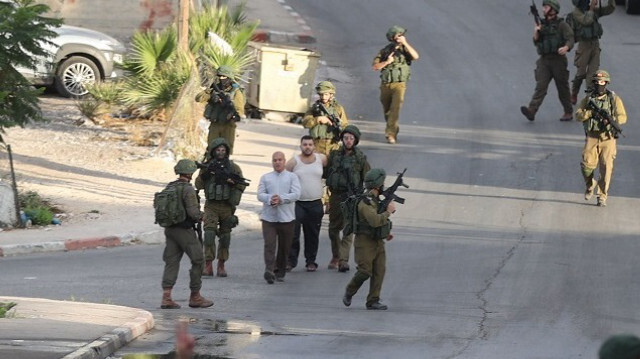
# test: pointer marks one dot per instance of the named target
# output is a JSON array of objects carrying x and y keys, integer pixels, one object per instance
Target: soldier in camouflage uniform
[
  {"x": 326, "y": 136},
  {"x": 345, "y": 172},
  {"x": 223, "y": 116},
  {"x": 222, "y": 196},
  {"x": 553, "y": 40},
  {"x": 180, "y": 239},
  {"x": 587, "y": 31},
  {"x": 600, "y": 140},
  {"x": 371, "y": 230},
  {"x": 394, "y": 63}
]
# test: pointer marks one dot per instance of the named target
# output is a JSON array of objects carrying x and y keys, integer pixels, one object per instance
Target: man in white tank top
[{"x": 308, "y": 166}]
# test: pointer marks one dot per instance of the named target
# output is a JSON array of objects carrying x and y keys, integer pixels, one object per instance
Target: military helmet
[
  {"x": 395, "y": 30},
  {"x": 374, "y": 178},
  {"x": 215, "y": 143},
  {"x": 621, "y": 346},
  {"x": 555, "y": 5},
  {"x": 225, "y": 70},
  {"x": 185, "y": 167},
  {"x": 352, "y": 130},
  {"x": 324, "y": 87},
  {"x": 602, "y": 75}
]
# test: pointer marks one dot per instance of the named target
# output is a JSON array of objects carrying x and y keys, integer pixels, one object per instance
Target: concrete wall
[
  {"x": 118, "y": 18},
  {"x": 7, "y": 205}
]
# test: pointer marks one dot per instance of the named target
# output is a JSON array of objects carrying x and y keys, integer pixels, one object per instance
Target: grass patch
[
  {"x": 6, "y": 307},
  {"x": 38, "y": 209}
]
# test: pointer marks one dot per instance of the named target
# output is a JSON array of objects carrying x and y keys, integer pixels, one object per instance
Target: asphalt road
[{"x": 496, "y": 253}]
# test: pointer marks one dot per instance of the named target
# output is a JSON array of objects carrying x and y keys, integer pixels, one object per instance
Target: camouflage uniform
[
  {"x": 324, "y": 136},
  {"x": 219, "y": 209},
  {"x": 394, "y": 78},
  {"x": 600, "y": 143},
  {"x": 345, "y": 173},
  {"x": 371, "y": 230},
  {"x": 180, "y": 239},
  {"x": 553, "y": 35},
  {"x": 587, "y": 31},
  {"x": 223, "y": 122}
]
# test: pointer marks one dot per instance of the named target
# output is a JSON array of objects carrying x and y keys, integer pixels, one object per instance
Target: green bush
[
  {"x": 5, "y": 307},
  {"x": 37, "y": 208}
]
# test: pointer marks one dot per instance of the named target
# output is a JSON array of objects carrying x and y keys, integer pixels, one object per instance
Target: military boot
[
  {"x": 208, "y": 269},
  {"x": 221, "y": 271},
  {"x": 198, "y": 301},
  {"x": 346, "y": 299},
  {"x": 530, "y": 115},
  {"x": 167, "y": 302},
  {"x": 376, "y": 306},
  {"x": 333, "y": 264},
  {"x": 588, "y": 193}
]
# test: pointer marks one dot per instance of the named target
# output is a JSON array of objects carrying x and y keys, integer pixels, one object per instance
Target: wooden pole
[
  {"x": 183, "y": 25},
  {"x": 15, "y": 187}
]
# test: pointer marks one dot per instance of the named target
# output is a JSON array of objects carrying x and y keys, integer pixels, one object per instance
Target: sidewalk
[{"x": 42, "y": 328}]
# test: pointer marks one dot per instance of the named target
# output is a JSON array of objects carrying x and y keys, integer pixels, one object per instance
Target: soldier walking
[
  {"x": 394, "y": 63},
  {"x": 371, "y": 230},
  {"x": 223, "y": 194},
  {"x": 225, "y": 106},
  {"x": 587, "y": 31},
  {"x": 346, "y": 168},
  {"x": 601, "y": 137},
  {"x": 181, "y": 238},
  {"x": 318, "y": 119},
  {"x": 553, "y": 39}
]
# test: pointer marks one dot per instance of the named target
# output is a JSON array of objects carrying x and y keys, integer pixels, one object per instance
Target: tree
[{"x": 23, "y": 31}]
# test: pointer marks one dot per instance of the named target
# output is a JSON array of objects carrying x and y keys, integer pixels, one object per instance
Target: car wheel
[
  {"x": 633, "y": 6},
  {"x": 74, "y": 74}
]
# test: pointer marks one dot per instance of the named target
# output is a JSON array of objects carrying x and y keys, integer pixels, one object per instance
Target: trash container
[{"x": 282, "y": 78}]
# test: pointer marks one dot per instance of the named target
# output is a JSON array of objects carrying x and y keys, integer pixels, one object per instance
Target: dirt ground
[{"x": 89, "y": 171}]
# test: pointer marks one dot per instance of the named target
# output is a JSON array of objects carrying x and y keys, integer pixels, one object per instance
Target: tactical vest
[
  {"x": 363, "y": 227},
  {"x": 397, "y": 71},
  {"x": 346, "y": 170},
  {"x": 550, "y": 38},
  {"x": 606, "y": 103},
  {"x": 585, "y": 32},
  {"x": 321, "y": 130},
  {"x": 214, "y": 112},
  {"x": 217, "y": 188}
]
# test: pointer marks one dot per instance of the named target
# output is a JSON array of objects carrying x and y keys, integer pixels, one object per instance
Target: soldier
[
  {"x": 324, "y": 132},
  {"x": 180, "y": 239},
  {"x": 587, "y": 31},
  {"x": 225, "y": 106},
  {"x": 553, "y": 39},
  {"x": 371, "y": 231},
  {"x": 600, "y": 141},
  {"x": 620, "y": 346},
  {"x": 222, "y": 193},
  {"x": 393, "y": 62},
  {"x": 346, "y": 168}
]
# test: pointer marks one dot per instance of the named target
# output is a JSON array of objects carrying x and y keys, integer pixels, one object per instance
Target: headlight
[{"x": 117, "y": 58}]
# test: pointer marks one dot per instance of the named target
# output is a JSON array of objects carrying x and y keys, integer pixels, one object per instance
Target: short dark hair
[{"x": 306, "y": 137}]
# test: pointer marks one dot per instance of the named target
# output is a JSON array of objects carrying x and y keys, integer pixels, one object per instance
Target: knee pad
[{"x": 587, "y": 172}]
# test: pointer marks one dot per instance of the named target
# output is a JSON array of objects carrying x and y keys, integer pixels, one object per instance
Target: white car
[{"x": 78, "y": 57}]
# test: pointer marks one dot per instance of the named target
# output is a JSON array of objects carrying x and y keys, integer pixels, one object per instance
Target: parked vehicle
[{"x": 78, "y": 57}]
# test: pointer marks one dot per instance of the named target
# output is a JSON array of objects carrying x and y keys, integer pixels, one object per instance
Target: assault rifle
[
  {"x": 602, "y": 116},
  {"x": 223, "y": 173},
  {"x": 390, "y": 193},
  {"x": 219, "y": 96},
  {"x": 533, "y": 10},
  {"x": 392, "y": 48},
  {"x": 198, "y": 224},
  {"x": 319, "y": 110}
]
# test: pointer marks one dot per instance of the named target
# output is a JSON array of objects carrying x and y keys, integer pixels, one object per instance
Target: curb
[
  {"x": 283, "y": 37},
  {"x": 152, "y": 237},
  {"x": 118, "y": 338}
]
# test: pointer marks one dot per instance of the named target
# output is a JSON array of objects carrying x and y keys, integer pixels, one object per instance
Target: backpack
[{"x": 168, "y": 207}]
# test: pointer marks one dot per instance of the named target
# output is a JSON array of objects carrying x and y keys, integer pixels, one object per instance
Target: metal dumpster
[{"x": 282, "y": 78}]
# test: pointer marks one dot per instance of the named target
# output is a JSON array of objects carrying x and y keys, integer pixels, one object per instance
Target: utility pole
[{"x": 183, "y": 25}]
